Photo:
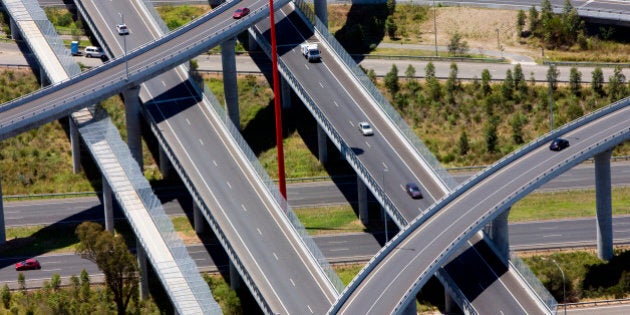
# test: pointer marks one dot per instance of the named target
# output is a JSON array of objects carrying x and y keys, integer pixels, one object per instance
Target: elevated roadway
[
  {"x": 404, "y": 265},
  {"x": 278, "y": 267},
  {"x": 389, "y": 159},
  {"x": 175, "y": 269}
]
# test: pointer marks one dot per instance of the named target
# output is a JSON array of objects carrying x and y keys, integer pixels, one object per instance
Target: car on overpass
[
  {"x": 558, "y": 144},
  {"x": 240, "y": 12}
]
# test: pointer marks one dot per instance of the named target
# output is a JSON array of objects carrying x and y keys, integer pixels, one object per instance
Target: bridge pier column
[
  {"x": 230, "y": 86},
  {"x": 251, "y": 43},
  {"x": 134, "y": 133},
  {"x": 15, "y": 33},
  {"x": 450, "y": 306},
  {"x": 3, "y": 233},
  {"x": 603, "y": 201},
  {"x": 166, "y": 168},
  {"x": 198, "y": 219},
  {"x": 235, "y": 277},
  {"x": 410, "y": 308},
  {"x": 322, "y": 145},
  {"x": 362, "y": 197},
  {"x": 500, "y": 235},
  {"x": 108, "y": 205},
  {"x": 285, "y": 90},
  {"x": 321, "y": 11},
  {"x": 142, "y": 269},
  {"x": 75, "y": 144}
]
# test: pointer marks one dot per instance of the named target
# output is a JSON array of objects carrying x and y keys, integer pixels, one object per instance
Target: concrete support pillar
[
  {"x": 142, "y": 269},
  {"x": 321, "y": 11},
  {"x": 15, "y": 32},
  {"x": 500, "y": 235},
  {"x": 362, "y": 197},
  {"x": 410, "y": 309},
  {"x": 75, "y": 144},
  {"x": 230, "y": 86},
  {"x": 235, "y": 277},
  {"x": 165, "y": 164},
  {"x": 3, "y": 233},
  {"x": 198, "y": 219},
  {"x": 285, "y": 90},
  {"x": 604, "y": 205},
  {"x": 322, "y": 145},
  {"x": 43, "y": 79},
  {"x": 108, "y": 205},
  {"x": 251, "y": 42},
  {"x": 132, "y": 115},
  {"x": 450, "y": 306}
]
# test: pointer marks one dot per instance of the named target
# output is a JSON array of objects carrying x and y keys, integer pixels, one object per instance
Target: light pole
[
  {"x": 564, "y": 288},
  {"x": 435, "y": 29},
  {"x": 551, "y": 78},
  {"x": 385, "y": 212}
]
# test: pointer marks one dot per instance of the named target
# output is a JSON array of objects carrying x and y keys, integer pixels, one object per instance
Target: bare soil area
[{"x": 483, "y": 29}]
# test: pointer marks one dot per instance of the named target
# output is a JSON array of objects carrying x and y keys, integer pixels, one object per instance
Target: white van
[{"x": 93, "y": 51}]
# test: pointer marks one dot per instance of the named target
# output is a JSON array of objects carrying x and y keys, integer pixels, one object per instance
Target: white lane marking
[
  {"x": 275, "y": 256},
  {"x": 306, "y": 66},
  {"x": 385, "y": 165},
  {"x": 351, "y": 124},
  {"x": 215, "y": 163},
  {"x": 368, "y": 144},
  {"x": 552, "y": 235},
  {"x": 229, "y": 185},
  {"x": 188, "y": 122},
  {"x": 200, "y": 141},
  {"x": 320, "y": 84},
  {"x": 243, "y": 206},
  {"x": 309, "y": 308},
  {"x": 335, "y": 102},
  {"x": 163, "y": 83},
  {"x": 259, "y": 231},
  {"x": 293, "y": 283},
  {"x": 339, "y": 249}
]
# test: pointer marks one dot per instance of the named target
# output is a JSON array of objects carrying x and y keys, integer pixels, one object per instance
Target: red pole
[{"x": 276, "y": 100}]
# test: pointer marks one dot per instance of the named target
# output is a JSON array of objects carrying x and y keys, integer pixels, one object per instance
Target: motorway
[{"x": 337, "y": 248}]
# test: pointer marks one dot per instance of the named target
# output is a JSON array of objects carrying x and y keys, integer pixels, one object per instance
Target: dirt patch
[{"x": 478, "y": 27}]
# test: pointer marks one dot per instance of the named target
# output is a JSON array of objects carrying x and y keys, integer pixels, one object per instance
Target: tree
[
  {"x": 520, "y": 22},
  {"x": 490, "y": 132},
  {"x": 429, "y": 71},
  {"x": 552, "y": 76},
  {"x": 533, "y": 20},
  {"x": 391, "y": 6},
  {"x": 111, "y": 255},
  {"x": 5, "y": 294},
  {"x": 412, "y": 84},
  {"x": 391, "y": 80},
  {"x": 391, "y": 27},
  {"x": 485, "y": 82},
  {"x": 571, "y": 22},
  {"x": 508, "y": 85},
  {"x": 575, "y": 81},
  {"x": 85, "y": 285},
  {"x": 519, "y": 79},
  {"x": 617, "y": 85},
  {"x": 457, "y": 46},
  {"x": 597, "y": 81},
  {"x": 517, "y": 122},
  {"x": 464, "y": 146},
  {"x": 452, "y": 84}
]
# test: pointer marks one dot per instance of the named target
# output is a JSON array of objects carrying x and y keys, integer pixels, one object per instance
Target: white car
[
  {"x": 122, "y": 29},
  {"x": 365, "y": 128}
]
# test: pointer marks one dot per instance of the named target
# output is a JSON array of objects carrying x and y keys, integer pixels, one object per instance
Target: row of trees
[
  {"x": 554, "y": 30},
  {"x": 505, "y": 114}
]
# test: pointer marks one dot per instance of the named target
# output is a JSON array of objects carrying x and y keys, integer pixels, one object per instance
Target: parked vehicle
[
  {"x": 29, "y": 264},
  {"x": 310, "y": 52},
  {"x": 558, "y": 144},
  {"x": 93, "y": 51},
  {"x": 413, "y": 190},
  {"x": 240, "y": 12}
]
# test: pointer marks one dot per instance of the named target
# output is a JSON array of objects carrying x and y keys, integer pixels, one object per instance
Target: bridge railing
[
  {"x": 521, "y": 267},
  {"x": 394, "y": 117},
  {"x": 272, "y": 189}
]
